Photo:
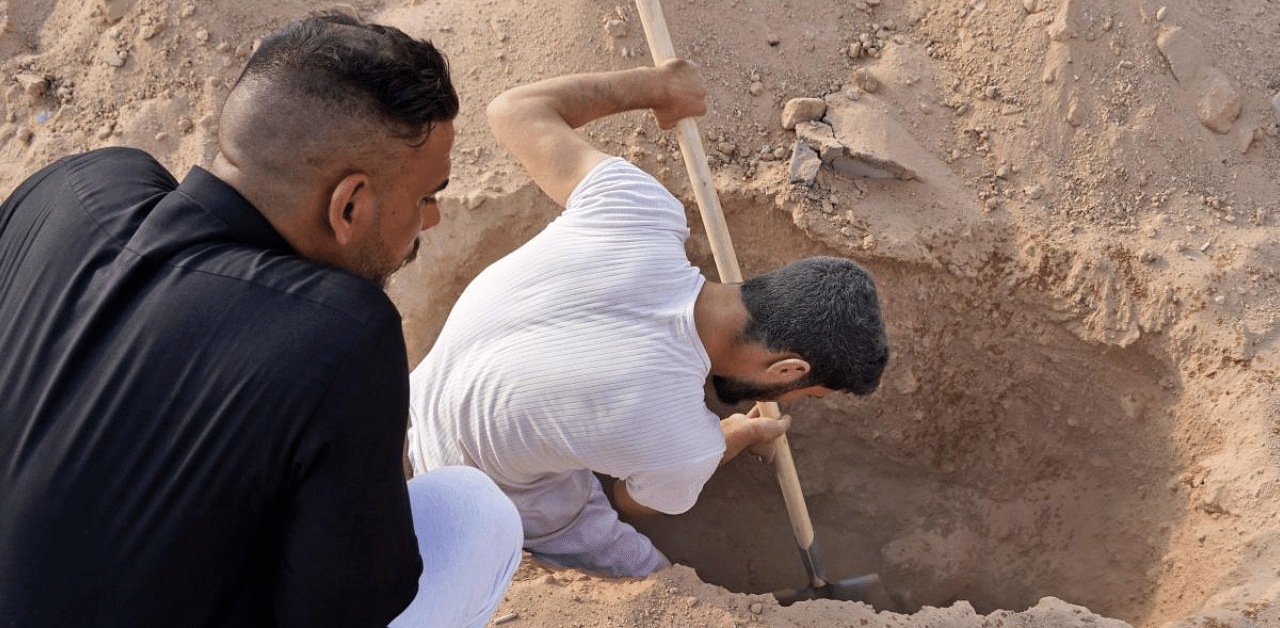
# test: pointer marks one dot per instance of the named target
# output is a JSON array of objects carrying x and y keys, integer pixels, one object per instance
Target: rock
[
  {"x": 866, "y": 81},
  {"x": 1275, "y": 106},
  {"x": 863, "y": 142},
  {"x": 1075, "y": 113},
  {"x": 799, "y": 110},
  {"x": 114, "y": 10},
  {"x": 756, "y": 88},
  {"x": 1063, "y": 26},
  {"x": 617, "y": 28},
  {"x": 1184, "y": 52},
  {"x": 114, "y": 58},
  {"x": 34, "y": 85},
  {"x": 804, "y": 164},
  {"x": 151, "y": 29},
  {"x": 1220, "y": 101}
]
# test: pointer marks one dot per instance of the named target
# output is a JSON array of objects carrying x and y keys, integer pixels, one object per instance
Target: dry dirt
[{"x": 1079, "y": 426}]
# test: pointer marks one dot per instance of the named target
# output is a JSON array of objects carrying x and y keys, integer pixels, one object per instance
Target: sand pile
[{"x": 1080, "y": 423}]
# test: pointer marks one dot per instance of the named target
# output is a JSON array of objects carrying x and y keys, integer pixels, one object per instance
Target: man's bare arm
[
  {"x": 625, "y": 504},
  {"x": 537, "y": 122}
]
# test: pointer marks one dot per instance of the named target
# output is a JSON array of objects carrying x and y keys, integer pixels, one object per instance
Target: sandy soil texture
[{"x": 1070, "y": 207}]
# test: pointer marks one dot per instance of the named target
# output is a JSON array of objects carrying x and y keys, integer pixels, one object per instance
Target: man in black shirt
[{"x": 203, "y": 389}]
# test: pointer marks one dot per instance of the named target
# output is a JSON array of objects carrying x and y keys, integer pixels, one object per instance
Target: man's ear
[
  {"x": 351, "y": 199},
  {"x": 788, "y": 370}
]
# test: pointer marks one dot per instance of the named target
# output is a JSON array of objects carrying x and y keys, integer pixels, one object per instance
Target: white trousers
[
  {"x": 469, "y": 534},
  {"x": 597, "y": 541}
]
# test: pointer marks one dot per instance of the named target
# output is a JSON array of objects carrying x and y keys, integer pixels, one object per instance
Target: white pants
[
  {"x": 469, "y": 535},
  {"x": 596, "y": 540}
]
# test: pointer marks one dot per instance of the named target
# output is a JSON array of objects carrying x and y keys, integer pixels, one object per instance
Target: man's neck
[{"x": 719, "y": 317}]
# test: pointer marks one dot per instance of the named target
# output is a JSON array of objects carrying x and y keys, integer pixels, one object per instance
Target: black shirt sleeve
[{"x": 350, "y": 557}]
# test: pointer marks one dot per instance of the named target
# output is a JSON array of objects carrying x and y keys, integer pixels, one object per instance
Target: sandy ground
[{"x": 1070, "y": 208}]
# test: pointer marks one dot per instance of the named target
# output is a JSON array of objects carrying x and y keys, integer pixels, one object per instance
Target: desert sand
[{"x": 1070, "y": 208}]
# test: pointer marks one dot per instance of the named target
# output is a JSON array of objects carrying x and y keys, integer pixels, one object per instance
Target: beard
[
  {"x": 732, "y": 391},
  {"x": 374, "y": 263}
]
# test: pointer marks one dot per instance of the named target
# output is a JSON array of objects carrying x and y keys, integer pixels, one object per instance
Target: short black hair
[
  {"x": 359, "y": 70},
  {"x": 826, "y": 310}
]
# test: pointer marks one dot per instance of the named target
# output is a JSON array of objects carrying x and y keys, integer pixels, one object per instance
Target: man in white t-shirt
[{"x": 587, "y": 349}]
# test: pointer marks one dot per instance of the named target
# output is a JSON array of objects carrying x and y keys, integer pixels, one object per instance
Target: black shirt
[{"x": 198, "y": 426}]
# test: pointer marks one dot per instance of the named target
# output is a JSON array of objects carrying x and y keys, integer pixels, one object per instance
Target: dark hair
[
  {"x": 826, "y": 310},
  {"x": 359, "y": 70}
]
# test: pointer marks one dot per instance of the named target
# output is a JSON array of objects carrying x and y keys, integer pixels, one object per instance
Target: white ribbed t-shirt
[{"x": 578, "y": 353}]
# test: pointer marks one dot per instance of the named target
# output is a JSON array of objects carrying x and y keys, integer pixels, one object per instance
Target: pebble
[
  {"x": 1075, "y": 113},
  {"x": 773, "y": 39},
  {"x": 866, "y": 81},
  {"x": 1275, "y": 106},
  {"x": 756, "y": 88},
  {"x": 33, "y": 84},
  {"x": 1220, "y": 101},
  {"x": 24, "y": 135},
  {"x": 757, "y": 608},
  {"x": 1161, "y": 13},
  {"x": 617, "y": 28},
  {"x": 151, "y": 30},
  {"x": 114, "y": 58},
  {"x": 202, "y": 36}
]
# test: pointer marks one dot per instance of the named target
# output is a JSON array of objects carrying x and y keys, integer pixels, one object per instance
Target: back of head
[
  {"x": 360, "y": 70},
  {"x": 826, "y": 310},
  {"x": 327, "y": 87}
]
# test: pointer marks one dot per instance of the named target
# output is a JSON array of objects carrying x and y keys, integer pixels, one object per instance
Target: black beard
[{"x": 732, "y": 391}]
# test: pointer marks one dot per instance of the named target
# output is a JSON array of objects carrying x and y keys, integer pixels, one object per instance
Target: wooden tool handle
[
  {"x": 695, "y": 157},
  {"x": 785, "y": 466},
  {"x": 695, "y": 160}
]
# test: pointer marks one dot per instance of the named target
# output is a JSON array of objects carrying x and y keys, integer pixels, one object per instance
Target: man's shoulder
[
  {"x": 119, "y": 160},
  {"x": 291, "y": 281}
]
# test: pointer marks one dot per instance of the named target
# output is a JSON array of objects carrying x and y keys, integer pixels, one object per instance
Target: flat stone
[
  {"x": 862, "y": 141},
  {"x": 805, "y": 163}
]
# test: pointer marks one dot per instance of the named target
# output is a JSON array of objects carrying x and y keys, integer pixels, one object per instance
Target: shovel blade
[{"x": 865, "y": 588}]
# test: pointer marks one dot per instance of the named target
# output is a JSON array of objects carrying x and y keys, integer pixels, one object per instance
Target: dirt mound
[{"x": 1078, "y": 275}]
